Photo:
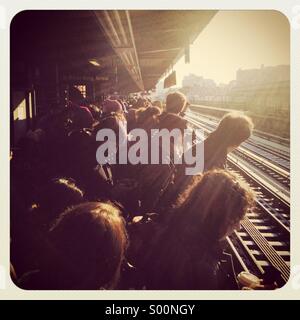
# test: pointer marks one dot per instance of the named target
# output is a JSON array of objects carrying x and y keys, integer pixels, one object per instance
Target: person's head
[
  {"x": 147, "y": 118},
  {"x": 133, "y": 103},
  {"x": 141, "y": 103},
  {"x": 115, "y": 121},
  {"x": 234, "y": 129},
  {"x": 213, "y": 205},
  {"x": 57, "y": 195},
  {"x": 175, "y": 102},
  {"x": 75, "y": 95},
  {"x": 152, "y": 111},
  {"x": 88, "y": 243},
  {"x": 110, "y": 106}
]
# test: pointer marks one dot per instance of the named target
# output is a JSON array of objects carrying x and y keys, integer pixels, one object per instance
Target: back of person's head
[
  {"x": 115, "y": 121},
  {"x": 132, "y": 102},
  {"x": 150, "y": 111},
  {"x": 175, "y": 102},
  {"x": 110, "y": 106},
  {"x": 234, "y": 128},
  {"x": 213, "y": 205},
  {"x": 209, "y": 209},
  {"x": 88, "y": 242},
  {"x": 75, "y": 96},
  {"x": 56, "y": 196},
  {"x": 141, "y": 103},
  {"x": 147, "y": 118}
]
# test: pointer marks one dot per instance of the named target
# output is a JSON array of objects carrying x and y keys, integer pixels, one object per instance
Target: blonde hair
[{"x": 234, "y": 128}]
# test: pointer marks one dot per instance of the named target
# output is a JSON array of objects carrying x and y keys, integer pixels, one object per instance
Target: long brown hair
[
  {"x": 212, "y": 203},
  {"x": 88, "y": 242},
  {"x": 202, "y": 215}
]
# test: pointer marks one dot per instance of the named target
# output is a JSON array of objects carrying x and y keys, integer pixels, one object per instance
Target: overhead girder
[{"x": 118, "y": 30}]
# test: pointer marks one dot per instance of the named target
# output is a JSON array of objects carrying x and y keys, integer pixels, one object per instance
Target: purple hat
[{"x": 111, "y": 106}]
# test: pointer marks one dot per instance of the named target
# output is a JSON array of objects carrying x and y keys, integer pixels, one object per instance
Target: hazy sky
[{"x": 237, "y": 39}]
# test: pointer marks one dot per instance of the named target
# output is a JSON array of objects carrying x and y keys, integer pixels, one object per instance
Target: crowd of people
[{"x": 80, "y": 225}]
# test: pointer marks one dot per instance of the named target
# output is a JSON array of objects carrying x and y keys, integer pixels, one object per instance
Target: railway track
[
  {"x": 278, "y": 177},
  {"x": 279, "y": 156},
  {"x": 274, "y": 176},
  {"x": 264, "y": 238},
  {"x": 276, "y": 156},
  {"x": 262, "y": 245},
  {"x": 258, "y": 133}
]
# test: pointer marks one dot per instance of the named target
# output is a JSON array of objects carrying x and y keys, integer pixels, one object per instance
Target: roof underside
[{"x": 131, "y": 49}]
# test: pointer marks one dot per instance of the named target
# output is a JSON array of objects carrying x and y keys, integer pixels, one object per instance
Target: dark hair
[
  {"x": 141, "y": 103},
  {"x": 56, "y": 196},
  {"x": 148, "y": 118},
  {"x": 175, "y": 102},
  {"x": 110, "y": 121},
  {"x": 89, "y": 242},
  {"x": 75, "y": 95}
]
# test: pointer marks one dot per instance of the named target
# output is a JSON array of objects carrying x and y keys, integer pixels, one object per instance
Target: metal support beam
[{"x": 120, "y": 35}]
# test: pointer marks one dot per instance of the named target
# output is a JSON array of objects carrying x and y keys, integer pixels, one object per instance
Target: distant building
[
  {"x": 265, "y": 90},
  {"x": 198, "y": 88},
  {"x": 196, "y": 81},
  {"x": 264, "y": 75}
]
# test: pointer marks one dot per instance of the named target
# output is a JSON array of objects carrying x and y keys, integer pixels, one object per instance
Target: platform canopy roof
[{"x": 126, "y": 50}]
